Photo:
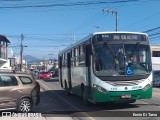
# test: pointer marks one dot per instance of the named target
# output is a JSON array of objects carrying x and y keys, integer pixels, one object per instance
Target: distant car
[
  {"x": 52, "y": 73},
  {"x": 56, "y": 72},
  {"x": 18, "y": 90},
  {"x": 156, "y": 78},
  {"x": 35, "y": 73},
  {"x": 44, "y": 75}
]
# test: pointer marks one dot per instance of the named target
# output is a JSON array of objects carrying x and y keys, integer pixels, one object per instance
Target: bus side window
[
  {"x": 60, "y": 62},
  {"x": 87, "y": 54},
  {"x": 81, "y": 55},
  {"x": 68, "y": 60},
  {"x": 72, "y": 57}
]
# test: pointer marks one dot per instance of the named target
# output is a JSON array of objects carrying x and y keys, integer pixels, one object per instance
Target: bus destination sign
[
  {"x": 121, "y": 36},
  {"x": 125, "y": 37}
]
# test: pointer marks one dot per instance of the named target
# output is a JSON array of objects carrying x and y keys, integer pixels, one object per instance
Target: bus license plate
[{"x": 126, "y": 96}]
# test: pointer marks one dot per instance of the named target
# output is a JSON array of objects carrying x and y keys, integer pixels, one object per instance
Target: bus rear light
[{"x": 99, "y": 88}]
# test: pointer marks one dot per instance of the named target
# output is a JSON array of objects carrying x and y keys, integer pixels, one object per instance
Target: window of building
[{"x": 156, "y": 54}]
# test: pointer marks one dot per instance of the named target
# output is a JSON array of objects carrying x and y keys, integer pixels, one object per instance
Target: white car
[
  {"x": 35, "y": 73},
  {"x": 156, "y": 82},
  {"x": 156, "y": 78}
]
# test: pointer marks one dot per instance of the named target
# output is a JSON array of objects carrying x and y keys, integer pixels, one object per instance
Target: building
[
  {"x": 4, "y": 41},
  {"x": 155, "y": 51}
]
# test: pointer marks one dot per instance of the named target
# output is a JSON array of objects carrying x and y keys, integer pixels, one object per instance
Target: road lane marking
[{"x": 68, "y": 102}]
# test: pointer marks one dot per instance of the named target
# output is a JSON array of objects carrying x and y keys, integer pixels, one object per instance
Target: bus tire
[
  {"x": 66, "y": 89},
  {"x": 84, "y": 97},
  {"x": 132, "y": 101}
]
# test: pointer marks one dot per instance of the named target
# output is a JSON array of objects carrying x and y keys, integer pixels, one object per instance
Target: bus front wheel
[
  {"x": 84, "y": 97},
  {"x": 132, "y": 101}
]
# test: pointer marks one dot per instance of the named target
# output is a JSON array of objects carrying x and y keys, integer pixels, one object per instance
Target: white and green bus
[{"x": 108, "y": 67}]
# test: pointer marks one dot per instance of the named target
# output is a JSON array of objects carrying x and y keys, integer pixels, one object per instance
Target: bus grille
[{"x": 125, "y": 83}]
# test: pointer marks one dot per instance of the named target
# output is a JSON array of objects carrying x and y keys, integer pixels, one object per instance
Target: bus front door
[{"x": 60, "y": 71}]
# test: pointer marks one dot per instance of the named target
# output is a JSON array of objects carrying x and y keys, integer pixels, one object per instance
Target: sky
[{"x": 49, "y": 26}]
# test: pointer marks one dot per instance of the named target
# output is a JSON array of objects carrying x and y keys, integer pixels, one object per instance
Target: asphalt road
[{"x": 55, "y": 103}]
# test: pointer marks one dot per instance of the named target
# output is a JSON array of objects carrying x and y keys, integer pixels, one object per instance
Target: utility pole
[
  {"x": 51, "y": 57},
  {"x": 115, "y": 12},
  {"x": 21, "y": 52}
]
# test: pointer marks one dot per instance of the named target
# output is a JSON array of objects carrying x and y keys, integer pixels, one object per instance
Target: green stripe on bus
[{"x": 98, "y": 96}]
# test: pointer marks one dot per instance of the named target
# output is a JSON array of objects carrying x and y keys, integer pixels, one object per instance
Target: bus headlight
[
  {"x": 99, "y": 88},
  {"x": 146, "y": 87}
]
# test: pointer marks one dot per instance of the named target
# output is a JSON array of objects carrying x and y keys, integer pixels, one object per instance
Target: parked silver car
[
  {"x": 156, "y": 78},
  {"x": 18, "y": 91}
]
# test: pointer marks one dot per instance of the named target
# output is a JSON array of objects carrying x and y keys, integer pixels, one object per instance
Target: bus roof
[
  {"x": 119, "y": 32},
  {"x": 92, "y": 34}
]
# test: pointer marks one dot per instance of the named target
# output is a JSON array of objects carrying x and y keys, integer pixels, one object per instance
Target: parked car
[
  {"x": 19, "y": 91},
  {"x": 44, "y": 75},
  {"x": 156, "y": 78}
]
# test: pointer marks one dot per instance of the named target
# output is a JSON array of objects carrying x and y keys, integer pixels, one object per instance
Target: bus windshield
[{"x": 122, "y": 59}]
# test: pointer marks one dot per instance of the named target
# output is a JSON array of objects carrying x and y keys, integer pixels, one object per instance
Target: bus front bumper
[{"x": 116, "y": 96}]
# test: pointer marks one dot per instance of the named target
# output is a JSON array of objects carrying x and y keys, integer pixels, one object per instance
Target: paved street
[{"x": 54, "y": 102}]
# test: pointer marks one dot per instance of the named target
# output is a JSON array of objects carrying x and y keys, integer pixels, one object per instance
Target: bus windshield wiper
[
  {"x": 135, "y": 47},
  {"x": 113, "y": 55},
  {"x": 111, "y": 50}
]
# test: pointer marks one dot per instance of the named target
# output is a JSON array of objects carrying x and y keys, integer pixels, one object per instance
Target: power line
[
  {"x": 67, "y": 4},
  {"x": 74, "y": 7},
  {"x": 142, "y": 20},
  {"x": 48, "y": 45},
  {"x": 151, "y": 30},
  {"x": 93, "y": 19},
  {"x": 155, "y": 37},
  {"x": 90, "y": 21}
]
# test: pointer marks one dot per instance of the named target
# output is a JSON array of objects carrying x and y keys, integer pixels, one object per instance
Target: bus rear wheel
[{"x": 66, "y": 89}]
